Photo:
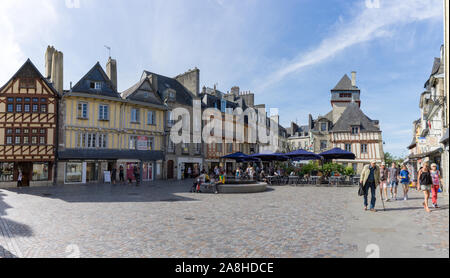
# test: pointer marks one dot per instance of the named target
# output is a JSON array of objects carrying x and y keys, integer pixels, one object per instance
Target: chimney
[
  {"x": 56, "y": 69},
  {"x": 354, "y": 78},
  {"x": 190, "y": 80},
  {"x": 111, "y": 71},
  {"x": 48, "y": 61}
]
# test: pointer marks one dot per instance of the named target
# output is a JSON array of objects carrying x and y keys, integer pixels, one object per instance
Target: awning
[
  {"x": 110, "y": 154},
  {"x": 422, "y": 155},
  {"x": 338, "y": 153}
]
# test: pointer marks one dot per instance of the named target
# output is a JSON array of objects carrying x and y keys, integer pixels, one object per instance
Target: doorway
[
  {"x": 170, "y": 169},
  {"x": 27, "y": 171}
]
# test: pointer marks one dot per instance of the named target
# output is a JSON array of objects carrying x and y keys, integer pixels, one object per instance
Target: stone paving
[{"x": 163, "y": 219}]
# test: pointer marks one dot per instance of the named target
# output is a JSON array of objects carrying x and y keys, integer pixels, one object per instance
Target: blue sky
[{"x": 289, "y": 53}]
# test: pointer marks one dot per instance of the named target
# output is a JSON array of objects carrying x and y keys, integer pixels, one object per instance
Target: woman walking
[
  {"x": 404, "y": 180},
  {"x": 425, "y": 182},
  {"x": 436, "y": 178},
  {"x": 384, "y": 172}
]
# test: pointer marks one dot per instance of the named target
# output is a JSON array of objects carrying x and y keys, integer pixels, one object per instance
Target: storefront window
[
  {"x": 40, "y": 171},
  {"x": 6, "y": 171},
  {"x": 74, "y": 172},
  {"x": 147, "y": 171}
]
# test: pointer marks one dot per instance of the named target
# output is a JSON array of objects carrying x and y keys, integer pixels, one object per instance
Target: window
[
  {"x": 10, "y": 108},
  {"x": 26, "y": 131},
  {"x": 103, "y": 141},
  {"x": 34, "y": 131},
  {"x": 355, "y": 130},
  {"x": 229, "y": 147},
  {"x": 184, "y": 148},
  {"x": 9, "y": 140},
  {"x": 40, "y": 171},
  {"x": 26, "y": 108},
  {"x": 42, "y": 131},
  {"x": 103, "y": 112},
  {"x": 92, "y": 140},
  {"x": 19, "y": 108},
  {"x": 43, "y": 100},
  {"x": 6, "y": 171},
  {"x": 9, "y": 131},
  {"x": 34, "y": 140},
  {"x": 17, "y": 141},
  {"x": 150, "y": 143},
  {"x": 171, "y": 147},
  {"x": 323, "y": 126},
  {"x": 42, "y": 140},
  {"x": 35, "y": 108},
  {"x": 323, "y": 144},
  {"x": 27, "y": 99},
  {"x": 132, "y": 145},
  {"x": 26, "y": 140},
  {"x": 35, "y": 99},
  {"x": 198, "y": 147},
  {"x": 219, "y": 147},
  {"x": 363, "y": 148},
  {"x": 134, "y": 115},
  {"x": 345, "y": 95},
  {"x": 95, "y": 85},
  {"x": 73, "y": 172},
  {"x": 348, "y": 147},
  {"x": 151, "y": 117},
  {"x": 43, "y": 108},
  {"x": 82, "y": 111},
  {"x": 170, "y": 121},
  {"x": 18, "y": 99},
  {"x": 17, "y": 130}
]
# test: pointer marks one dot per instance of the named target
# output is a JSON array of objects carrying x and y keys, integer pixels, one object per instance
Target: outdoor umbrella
[
  {"x": 240, "y": 157},
  {"x": 338, "y": 153},
  {"x": 270, "y": 156},
  {"x": 301, "y": 154}
]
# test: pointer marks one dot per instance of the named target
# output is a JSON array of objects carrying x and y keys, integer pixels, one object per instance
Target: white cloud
[
  {"x": 370, "y": 23},
  {"x": 21, "y": 22}
]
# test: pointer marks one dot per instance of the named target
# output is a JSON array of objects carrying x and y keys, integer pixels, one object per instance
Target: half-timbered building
[
  {"x": 347, "y": 127},
  {"x": 28, "y": 128}
]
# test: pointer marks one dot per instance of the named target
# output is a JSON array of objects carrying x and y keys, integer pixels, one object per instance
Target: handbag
[{"x": 361, "y": 191}]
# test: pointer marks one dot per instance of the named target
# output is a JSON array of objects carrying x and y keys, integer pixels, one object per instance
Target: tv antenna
[{"x": 109, "y": 50}]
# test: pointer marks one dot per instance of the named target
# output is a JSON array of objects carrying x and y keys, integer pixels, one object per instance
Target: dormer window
[
  {"x": 323, "y": 127},
  {"x": 355, "y": 130},
  {"x": 95, "y": 85}
]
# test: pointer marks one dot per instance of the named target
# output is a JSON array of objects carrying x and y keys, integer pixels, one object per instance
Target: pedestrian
[
  {"x": 113, "y": 175},
  {"x": 384, "y": 172},
  {"x": 436, "y": 177},
  {"x": 19, "y": 179},
  {"x": 189, "y": 172},
  {"x": 393, "y": 181},
  {"x": 412, "y": 175},
  {"x": 121, "y": 174},
  {"x": 425, "y": 182},
  {"x": 136, "y": 175},
  {"x": 404, "y": 180},
  {"x": 370, "y": 178}
]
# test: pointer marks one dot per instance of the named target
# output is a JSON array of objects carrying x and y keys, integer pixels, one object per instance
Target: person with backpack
[
  {"x": 436, "y": 178},
  {"x": 425, "y": 182},
  {"x": 404, "y": 180},
  {"x": 370, "y": 178}
]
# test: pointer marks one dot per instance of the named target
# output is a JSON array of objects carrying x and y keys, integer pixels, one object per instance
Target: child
[
  {"x": 404, "y": 180},
  {"x": 435, "y": 177}
]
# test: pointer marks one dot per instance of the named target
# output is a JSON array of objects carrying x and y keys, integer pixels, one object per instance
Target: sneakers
[
  {"x": 405, "y": 198},
  {"x": 433, "y": 205}
]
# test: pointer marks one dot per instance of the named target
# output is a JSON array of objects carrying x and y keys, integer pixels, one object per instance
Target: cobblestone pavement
[{"x": 163, "y": 220}]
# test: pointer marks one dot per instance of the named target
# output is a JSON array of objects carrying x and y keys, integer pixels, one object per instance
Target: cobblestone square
[{"x": 162, "y": 219}]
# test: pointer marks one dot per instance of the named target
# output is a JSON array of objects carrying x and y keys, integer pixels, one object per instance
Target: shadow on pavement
[
  {"x": 158, "y": 191},
  {"x": 404, "y": 208},
  {"x": 10, "y": 229}
]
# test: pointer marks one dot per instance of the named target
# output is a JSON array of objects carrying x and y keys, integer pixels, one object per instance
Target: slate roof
[
  {"x": 29, "y": 70},
  {"x": 96, "y": 73},
  {"x": 183, "y": 95},
  {"x": 345, "y": 84},
  {"x": 212, "y": 101},
  {"x": 142, "y": 91},
  {"x": 352, "y": 116}
]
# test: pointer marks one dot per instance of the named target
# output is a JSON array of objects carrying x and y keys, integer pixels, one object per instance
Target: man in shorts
[{"x": 393, "y": 174}]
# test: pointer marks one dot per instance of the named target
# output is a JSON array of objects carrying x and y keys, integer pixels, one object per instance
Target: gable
[
  {"x": 143, "y": 91},
  {"x": 96, "y": 77},
  {"x": 353, "y": 116}
]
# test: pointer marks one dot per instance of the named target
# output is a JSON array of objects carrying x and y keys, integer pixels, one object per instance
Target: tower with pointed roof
[{"x": 345, "y": 92}]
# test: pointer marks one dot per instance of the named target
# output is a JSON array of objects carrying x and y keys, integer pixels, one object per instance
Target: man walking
[
  {"x": 383, "y": 180},
  {"x": 370, "y": 178},
  {"x": 393, "y": 181}
]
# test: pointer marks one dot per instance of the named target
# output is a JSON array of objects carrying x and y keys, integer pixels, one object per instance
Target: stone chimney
[
  {"x": 354, "y": 78},
  {"x": 190, "y": 80},
  {"x": 111, "y": 71},
  {"x": 54, "y": 68},
  {"x": 48, "y": 61},
  {"x": 235, "y": 90}
]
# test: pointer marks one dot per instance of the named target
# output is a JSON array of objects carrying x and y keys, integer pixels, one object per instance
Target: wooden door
[{"x": 170, "y": 169}]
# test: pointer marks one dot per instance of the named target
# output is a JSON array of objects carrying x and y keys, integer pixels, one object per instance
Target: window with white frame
[
  {"x": 135, "y": 115},
  {"x": 170, "y": 147},
  {"x": 82, "y": 110},
  {"x": 103, "y": 112},
  {"x": 92, "y": 140},
  {"x": 151, "y": 120},
  {"x": 132, "y": 143},
  {"x": 348, "y": 147},
  {"x": 150, "y": 143},
  {"x": 363, "y": 148},
  {"x": 355, "y": 130}
]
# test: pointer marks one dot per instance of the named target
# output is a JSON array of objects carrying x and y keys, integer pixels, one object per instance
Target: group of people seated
[{"x": 218, "y": 177}]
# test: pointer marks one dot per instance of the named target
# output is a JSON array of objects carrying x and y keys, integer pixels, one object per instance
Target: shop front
[
  {"x": 33, "y": 173},
  {"x": 186, "y": 163}
]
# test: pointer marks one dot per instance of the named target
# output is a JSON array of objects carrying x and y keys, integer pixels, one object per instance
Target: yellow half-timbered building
[{"x": 105, "y": 133}]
